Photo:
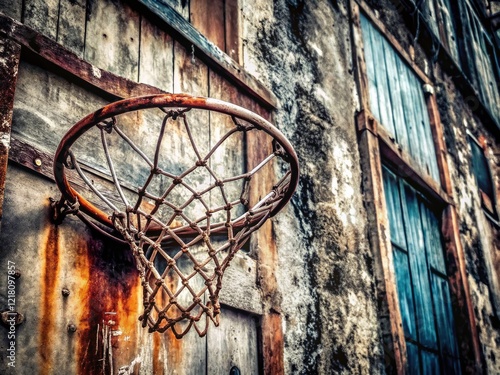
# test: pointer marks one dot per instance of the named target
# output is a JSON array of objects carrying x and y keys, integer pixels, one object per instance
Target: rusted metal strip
[{"x": 11, "y": 54}]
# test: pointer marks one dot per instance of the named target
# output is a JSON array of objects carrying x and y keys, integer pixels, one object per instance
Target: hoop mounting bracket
[{"x": 61, "y": 208}]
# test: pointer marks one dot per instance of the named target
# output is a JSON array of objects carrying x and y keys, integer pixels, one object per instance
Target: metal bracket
[{"x": 61, "y": 208}]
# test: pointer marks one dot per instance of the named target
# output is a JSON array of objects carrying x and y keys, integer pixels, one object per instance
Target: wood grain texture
[
  {"x": 11, "y": 53},
  {"x": 71, "y": 25},
  {"x": 112, "y": 38},
  {"x": 42, "y": 16},
  {"x": 400, "y": 50},
  {"x": 233, "y": 30},
  {"x": 12, "y": 8},
  {"x": 213, "y": 56},
  {"x": 469, "y": 346},
  {"x": 156, "y": 56},
  {"x": 208, "y": 18},
  {"x": 234, "y": 343},
  {"x": 386, "y": 281},
  {"x": 44, "y": 50}
]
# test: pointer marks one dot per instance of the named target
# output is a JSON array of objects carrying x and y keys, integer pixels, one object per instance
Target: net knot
[
  {"x": 108, "y": 125},
  {"x": 201, "y": 163}
]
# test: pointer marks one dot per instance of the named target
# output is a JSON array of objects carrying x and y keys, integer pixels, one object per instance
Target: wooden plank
[
  {"x": 156, "y": 56},
  {"x": 369, "y": 59},
  {"x": 213, "y": 56},
  {"x": 264, "y": 248},
  {"x": 404, "y": 288},
  {"x": 11, "y": 53},
  {"x": 428, "y": 153},
  {"x": 233, "y": 344},
  {"x": 418, "y": 267},
  {"x": 448, "y": 33},
  {"x": 239, "y": 288},
  {"x": 113, "y": 46},
  {"x": 433, "y": 244},
  {"x": 429, "y": 15},
  {"x": 50, "y": 53},
  {"x": 359, "y": 51},
  {"x": 412, "y": 116},
  {"x": 392, "y": 40},
  {"x": 71, "y": 25},
  {"x": 413, "y": 359},
  {"x": 406, "y": 167},
  {"x": 430, "y": 363},
  {"x": 12, "y": 8},
  {"x": 470, "y": 352},
  {"x": 208, "y": 19},
  {"x": 54, "y": 104},
  {"x": 382, "y": 73},
  {"x": 180, "y": 6},
  {"x": 42, "y": 16},
  {"x": 394, "y": 211},
  {"x": 233, "y": 30},
  {"x": 444, "y": 316},
  {"x": 394, "y": 66},
  {"x": 378, "y": 231}
]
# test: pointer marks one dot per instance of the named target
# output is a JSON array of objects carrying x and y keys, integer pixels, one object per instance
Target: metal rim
[{"x": 163, "y": 101}]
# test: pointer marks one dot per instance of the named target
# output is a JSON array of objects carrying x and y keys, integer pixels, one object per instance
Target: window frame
[
  {"x": 488, "y": 204},
  {"x": 376, "y": 147}
]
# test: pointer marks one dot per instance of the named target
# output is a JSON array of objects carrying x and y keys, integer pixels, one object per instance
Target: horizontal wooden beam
[
  {"x": 216, "y": 59},
  {"x": 48, "y": 51},
  {"x": 406, "y": 167}
]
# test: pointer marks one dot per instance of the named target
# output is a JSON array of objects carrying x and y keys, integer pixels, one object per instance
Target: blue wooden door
[{"x": 422, "y": 282}]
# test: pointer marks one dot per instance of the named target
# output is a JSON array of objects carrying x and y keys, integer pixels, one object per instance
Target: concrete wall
[{"x": 302, "y": 50}]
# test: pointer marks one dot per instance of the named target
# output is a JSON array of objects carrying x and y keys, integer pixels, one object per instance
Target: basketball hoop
[{"x": 183, "y": 223}]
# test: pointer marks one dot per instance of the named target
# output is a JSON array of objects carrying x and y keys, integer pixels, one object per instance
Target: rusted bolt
[
  {"x": 65, "y": 292},
  {"x": 38, "y": 162},
  {"x": 71, "y": 328},
  {"x": 17, "y": 274},
  {"x": 11, "y": 318}
]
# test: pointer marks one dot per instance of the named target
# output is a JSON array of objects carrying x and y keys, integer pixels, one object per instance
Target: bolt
[
  {"x": 17, "y": 274},
  {"x": 71, "y": 328},
  {"x": 38, "y": 162},
  {"x": 65, "y": 292}
]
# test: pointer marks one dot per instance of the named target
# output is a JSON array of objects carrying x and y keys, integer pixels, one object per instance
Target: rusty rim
[{"x": 162, "y": 101}]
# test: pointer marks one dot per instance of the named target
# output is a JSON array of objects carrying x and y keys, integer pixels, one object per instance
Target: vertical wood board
[
  {"x": 233, "y": 343},
  {"x": 42, "y": 16},
  {"x": 208, "y": 18},
  {"x": 156, "y": 56},
  {"x": 419, "y": 268},
  {"x": 112, "y": 38},
  {"x": 71, "y": 25}
]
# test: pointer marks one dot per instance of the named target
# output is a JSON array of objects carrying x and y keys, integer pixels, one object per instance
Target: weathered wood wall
[{"x": 104, "y": 299}]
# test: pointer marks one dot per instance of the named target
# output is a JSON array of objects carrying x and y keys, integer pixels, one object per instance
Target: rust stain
[
  {"x": 51, "y": 262},
  {"x": 157, "y": 365},
  {"x": 109, "y": 301}
]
